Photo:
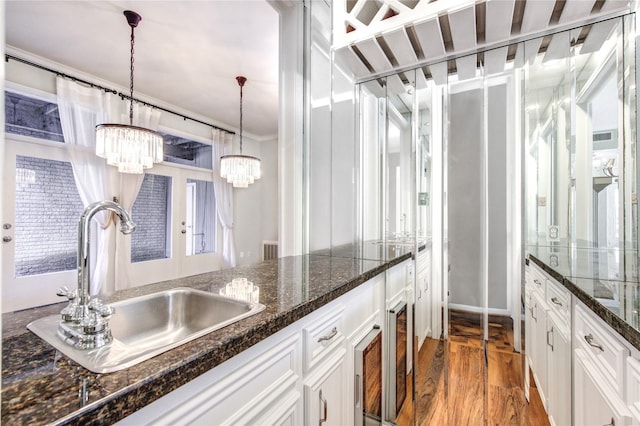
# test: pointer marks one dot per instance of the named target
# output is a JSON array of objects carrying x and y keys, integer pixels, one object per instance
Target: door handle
[
  {"x": 323, "y": 409},
  {"x": 550, "y": 332}
]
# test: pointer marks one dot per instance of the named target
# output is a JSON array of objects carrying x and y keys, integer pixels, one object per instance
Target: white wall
[{"x": 256, "y": 208}]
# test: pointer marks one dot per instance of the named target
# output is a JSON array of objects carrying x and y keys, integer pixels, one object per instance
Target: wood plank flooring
[{"x": 458, "y": 383}]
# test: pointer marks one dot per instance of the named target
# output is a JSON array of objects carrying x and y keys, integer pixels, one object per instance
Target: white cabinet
[
  {"x": 548, "y": 343},
  {"x": 424, "y": 299},
  {"x": 595, "y": 402},
  {"x": 558, "y": 340},
  {"x": 325, "y": 401},
  {"x": 587, "y": 374},
  {"x": 559, "y": 372},
  {"x": 538, "y": 344},
  {"x": 600, "y": 359}
]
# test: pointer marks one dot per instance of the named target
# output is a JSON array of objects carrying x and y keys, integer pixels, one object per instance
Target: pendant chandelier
[
  {"x": 130, "y": 148},
  {"x": 240, "y": 170}
]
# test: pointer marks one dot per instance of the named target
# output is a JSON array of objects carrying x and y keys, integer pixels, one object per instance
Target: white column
[{"x": 290, "y": 128}]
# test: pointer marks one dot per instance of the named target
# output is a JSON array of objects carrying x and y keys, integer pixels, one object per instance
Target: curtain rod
[{"x": 123, "y": 96}]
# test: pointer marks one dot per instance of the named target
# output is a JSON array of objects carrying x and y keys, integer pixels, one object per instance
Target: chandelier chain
[
  {"x": 131, "y": 78},
  {"x": 241, "y": 119}
]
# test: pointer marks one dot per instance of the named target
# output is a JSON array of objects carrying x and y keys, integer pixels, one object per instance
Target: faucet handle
[
  {"x": 65, "y": 292},
  {"x": 103, "y": 310},
  {"x": 72, "y": 312}
]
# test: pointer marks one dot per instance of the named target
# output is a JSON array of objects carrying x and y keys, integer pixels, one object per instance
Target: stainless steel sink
[{"x": 146, "y": 326}]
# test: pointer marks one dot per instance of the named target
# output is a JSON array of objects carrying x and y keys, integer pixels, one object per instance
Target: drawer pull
[
  {"x": 323, "y": 409},
  {"x": 532, "y": 315},
  {"x": 589, "y": 339},
  {"x": 613, "y": 422},
  {"x": 538, "y": 283},
  {"x": 329, "y": 336},
  {"x": 556, "y": 301}
]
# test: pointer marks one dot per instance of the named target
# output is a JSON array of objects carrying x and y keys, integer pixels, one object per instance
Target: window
[
  {"x": 151, "y": 214},
  {"x": 28, "y": 116},
  {"x": 46, "y": 223},
  {"x": 185, "y": 151}
]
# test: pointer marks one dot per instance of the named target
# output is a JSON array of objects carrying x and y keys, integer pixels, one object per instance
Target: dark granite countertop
[
  {"x": 605, "y": 280},
  {"x": 40, "y": 385}
]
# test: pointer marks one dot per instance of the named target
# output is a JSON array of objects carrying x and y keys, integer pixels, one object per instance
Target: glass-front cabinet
[{"x": 580, "y": 137}]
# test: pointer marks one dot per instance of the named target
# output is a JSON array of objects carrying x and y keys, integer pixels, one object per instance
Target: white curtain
[
  {"x": 224, "y": 195},
  {"x": 149, "y": 118},
  {"x": 81, "y": 109}
]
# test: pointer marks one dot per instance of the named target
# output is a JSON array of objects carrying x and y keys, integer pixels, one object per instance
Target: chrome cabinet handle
[
  {"x": 323, "y": 409},
  {"x": 550, "y": 332},
  {"x": 556, "y": 301},
  {"x": 533, "y": 316},
  {"x": 329, "y": 336},
  {"x": 537, "y": 282},
  {"x": 589, "y": 339}
]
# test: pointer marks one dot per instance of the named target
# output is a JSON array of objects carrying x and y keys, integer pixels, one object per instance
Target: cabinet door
[
  {"x": 595, "y": 402},
  {"x": 559, "y": 374},
  {"x": 539, "y": 345},
  {"x": 325, "y": 394}
]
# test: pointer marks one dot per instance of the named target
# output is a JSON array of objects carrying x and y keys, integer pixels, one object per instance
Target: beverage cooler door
[{"x": 368, "y": 379}]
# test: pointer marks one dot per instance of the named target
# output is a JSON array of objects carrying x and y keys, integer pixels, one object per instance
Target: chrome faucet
[{"x": 85, "y": 322}]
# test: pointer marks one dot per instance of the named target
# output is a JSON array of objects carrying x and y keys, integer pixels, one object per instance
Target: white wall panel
[
  {"x": 495, "y": 60},
  {"x": 498, "y": 14},
  {"x": 401, "y": 47},
  {"x": 576, "y": 9},
  {"x": 374, "y": 55},
  {"x": 463, "y": 28},
  {"x": 430, "y": 38},
  {"x": 536, "y": 16}
]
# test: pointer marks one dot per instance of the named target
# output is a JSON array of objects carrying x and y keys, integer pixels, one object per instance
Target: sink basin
[{"x": 146, "y": 326}]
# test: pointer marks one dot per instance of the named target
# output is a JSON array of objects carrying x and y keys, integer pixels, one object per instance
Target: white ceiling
[{"x": 187, "y": 53}]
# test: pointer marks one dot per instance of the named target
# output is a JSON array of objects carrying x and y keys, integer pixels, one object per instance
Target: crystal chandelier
[
  {"x": 240, "y": 170},
  {"x": 130, "y": 148}
]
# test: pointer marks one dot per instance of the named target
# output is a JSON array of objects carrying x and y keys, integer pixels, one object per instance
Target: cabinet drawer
[
  {"x": 559, "y": 302},
  {"x": 537, "y": 278},
  {"x": 603, "y": 347},
  {"x": 322, "y": 336}
]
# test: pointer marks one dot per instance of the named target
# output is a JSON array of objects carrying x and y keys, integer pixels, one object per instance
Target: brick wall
[
  {"x": 149, "y": 212},
  {"x": 47, "y": 213}
]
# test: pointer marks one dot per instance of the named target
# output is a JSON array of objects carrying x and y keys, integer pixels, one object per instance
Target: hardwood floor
[{"x": 459, "y": 383}]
